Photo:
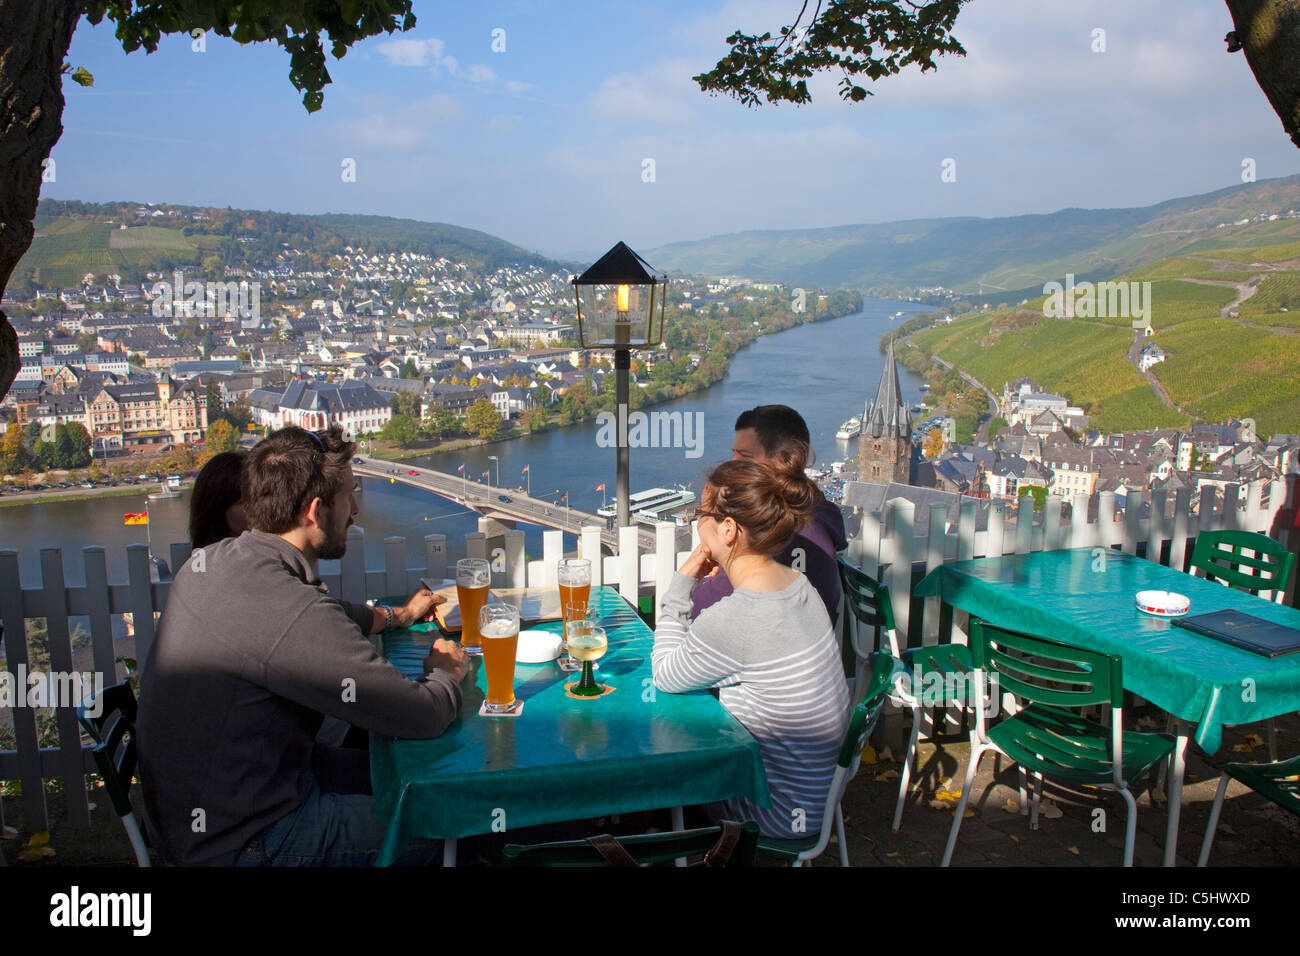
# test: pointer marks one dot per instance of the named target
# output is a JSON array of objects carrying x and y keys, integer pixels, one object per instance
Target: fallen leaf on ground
[
  {"x": 39, "y": 839},
  {"x": 895, "y": 853},
  {"x": 1242, "y": 748},
  {"x": 1011, "y": 806},
  {"x": 1050, "y": 810},
  {"x": 888, "y": 775},
  {"x": 940, "y": 805},
  {"x": 952, "y": 796},
  {"x": 868, "y": 755},
  {"x": 1192, "y": 778},
  {"x": 887, "y": 756},
  {"x": 1014, "y": 839},
  {"x": 968, "y": 814},
  {"x": 30, "y": 854},
  {"x": 1158, "y": 796},
  {"x": 1073, "y": 849}
]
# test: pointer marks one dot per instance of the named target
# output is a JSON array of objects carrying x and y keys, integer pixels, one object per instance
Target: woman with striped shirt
[{"x": 769, "y": 647}]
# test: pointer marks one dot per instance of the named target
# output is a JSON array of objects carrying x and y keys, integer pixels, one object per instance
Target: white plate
[
  {"x": 537, "y": 646},
  {"x": 1163, "y": 603}
]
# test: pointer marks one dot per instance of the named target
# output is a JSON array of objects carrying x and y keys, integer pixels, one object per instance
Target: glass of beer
[
  {"x": 587, "y": 643},
  {"x": 498, "y": 628},
  {"x": 473, "y": 576},
  {"x": 574, "y": 577}
]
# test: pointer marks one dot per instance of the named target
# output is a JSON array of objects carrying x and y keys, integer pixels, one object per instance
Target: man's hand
[
  {"x": 419, "y": 608},
  {"x": 448, "y": 656},
  {"x": 700, "y": 562}
]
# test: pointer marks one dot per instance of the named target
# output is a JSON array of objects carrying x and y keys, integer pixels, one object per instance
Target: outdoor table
[
  {"x": 562, "y": 758},
  {"x": 1085, "y": 597}
]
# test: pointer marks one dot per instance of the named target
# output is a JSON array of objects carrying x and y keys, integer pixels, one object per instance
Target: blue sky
[{"x": 544, "y": 144}]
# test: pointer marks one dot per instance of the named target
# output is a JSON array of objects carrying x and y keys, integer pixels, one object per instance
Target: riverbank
[{"x": 8, "y": 500}]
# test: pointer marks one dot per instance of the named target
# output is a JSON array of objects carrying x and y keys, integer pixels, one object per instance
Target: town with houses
[
  {"x": 1046, "y": 449},
  {"x": 137, "y": 364}
]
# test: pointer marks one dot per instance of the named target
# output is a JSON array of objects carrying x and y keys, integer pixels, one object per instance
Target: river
[{"x": 827, "y": 370}]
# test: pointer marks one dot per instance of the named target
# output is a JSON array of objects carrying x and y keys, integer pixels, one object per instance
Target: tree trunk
[
  {"x": 34, "y": 41},
  {"x": 1269, "y": 32}
]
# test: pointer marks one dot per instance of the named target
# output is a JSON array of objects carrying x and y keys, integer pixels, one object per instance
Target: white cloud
[
  {"x": 432, "y": 53},
  {"x": 399, "y": 125}
]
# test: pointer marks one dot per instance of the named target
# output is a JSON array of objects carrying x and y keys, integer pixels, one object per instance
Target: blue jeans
[{"x": 329, "y": 829}]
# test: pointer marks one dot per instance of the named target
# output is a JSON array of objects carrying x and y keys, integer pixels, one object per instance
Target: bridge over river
[{"x": 501, "y": 504}]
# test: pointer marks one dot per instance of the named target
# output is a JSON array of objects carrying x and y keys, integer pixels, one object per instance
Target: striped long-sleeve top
[{"x": 775, "y": 662}]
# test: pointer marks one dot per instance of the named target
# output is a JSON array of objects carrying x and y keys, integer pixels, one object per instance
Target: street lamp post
[
  {"x": 620, "y": 308},
  {"x": 498, "y": 468}
]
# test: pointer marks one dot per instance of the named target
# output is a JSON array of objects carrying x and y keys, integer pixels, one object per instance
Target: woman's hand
[{"x": 700, "y": 563}]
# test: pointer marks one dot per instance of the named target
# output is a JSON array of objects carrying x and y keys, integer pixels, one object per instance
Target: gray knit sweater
[
  {"x": 251, "y": 652},
  {"x": 776, "y": 664}
]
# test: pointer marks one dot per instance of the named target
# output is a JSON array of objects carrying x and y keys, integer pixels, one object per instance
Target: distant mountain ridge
[{"x": 970, "y": 253}]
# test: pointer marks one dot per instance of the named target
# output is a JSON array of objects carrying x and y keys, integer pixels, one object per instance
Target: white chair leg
[
  {"x": 137, "y": 839},
  {"x": 1163, "y": 773},
  {"x": 1038, "y": 796},
  {"x": 1130, "y": 826},
  {"x": 1272, "y": 740},
  {"x": 908, "y": 758},
  {"x": 839, "y": 833},
  {"x": 1024, "y": 796},
  {"x": 976, "y": 751},
  {"x": 1214, "y": 821}
]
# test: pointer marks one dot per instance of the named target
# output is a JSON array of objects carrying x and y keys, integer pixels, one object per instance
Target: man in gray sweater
[{"x": 252, "y": 653}]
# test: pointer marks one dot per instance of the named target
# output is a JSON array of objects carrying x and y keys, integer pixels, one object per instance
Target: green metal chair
[
  {"x": 1044, "y": 737},
  {"x": 886, "y": 672},
  {"x": 109, "y": 718},
  {"x": 727, "y": 845},
  {"x": 1226, "y": 556},
  {"x": 943, "y": 667},
  {"x": 1279, "y": 782}
]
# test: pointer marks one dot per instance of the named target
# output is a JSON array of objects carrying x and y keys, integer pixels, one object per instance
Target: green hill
[
  {"x": 75, "y": 238},
  {"x": 1012, "y": 253},
  {"x": 1217, "y": 366}
]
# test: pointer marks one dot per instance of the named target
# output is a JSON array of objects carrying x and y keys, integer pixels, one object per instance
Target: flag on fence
[
  {"x": 461, "y": 469},
  {"x": 486, "y": 473},
  {"x": 601, "y": 486},
  {"x": 135, "y": 517},
  {"x": 564, "y": 497},
  {"x": 525, "y": 469}
]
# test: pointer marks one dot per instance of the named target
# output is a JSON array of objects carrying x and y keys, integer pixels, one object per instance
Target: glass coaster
[{"x": 514, "y": 711}]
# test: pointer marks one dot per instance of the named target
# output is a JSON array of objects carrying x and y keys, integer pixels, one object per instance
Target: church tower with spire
[{"x": 885, "y": 442}]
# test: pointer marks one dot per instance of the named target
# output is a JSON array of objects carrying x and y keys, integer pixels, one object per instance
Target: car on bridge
[
  {"x": 358, "y": 461},
  {"x": 505, "y": 498},
  {"x": 411, "y": 471}
]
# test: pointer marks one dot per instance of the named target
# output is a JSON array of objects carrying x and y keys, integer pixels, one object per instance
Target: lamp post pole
[
  {"x": 497, "y": 466},
  {"x": 622, "y": 366}
]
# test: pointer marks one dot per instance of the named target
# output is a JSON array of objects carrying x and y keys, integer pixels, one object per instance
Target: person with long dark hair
[
  {"x": 216, "y": 509},
  {"x": 768, "y": 647}
]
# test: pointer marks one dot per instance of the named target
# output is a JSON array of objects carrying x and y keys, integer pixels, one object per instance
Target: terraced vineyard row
[{"x": 1183, "y": 267}]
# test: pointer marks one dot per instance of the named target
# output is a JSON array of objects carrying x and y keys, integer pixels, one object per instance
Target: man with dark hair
[
  {"x": 777, "y": 431},
  {"x": 253, "y": 653}
]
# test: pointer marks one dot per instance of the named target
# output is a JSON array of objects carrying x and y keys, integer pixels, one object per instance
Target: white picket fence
[{"x": 886, "y": 546}]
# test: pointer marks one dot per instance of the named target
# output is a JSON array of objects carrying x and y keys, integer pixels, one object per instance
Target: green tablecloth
[
  {"x": 1085, "y": 597},
  {"x": 561, "y": 759}
]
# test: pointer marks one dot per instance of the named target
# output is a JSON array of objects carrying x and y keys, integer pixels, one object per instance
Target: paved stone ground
[{"x": 1252, "y": 831}]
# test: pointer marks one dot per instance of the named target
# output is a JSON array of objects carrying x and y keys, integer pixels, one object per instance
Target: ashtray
[{"x": 1163, "y": 603}]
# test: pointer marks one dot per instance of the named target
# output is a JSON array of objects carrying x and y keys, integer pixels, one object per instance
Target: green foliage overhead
[
  {"x": 871, "y": 38},
  {"x": 296, "y": 25}
]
